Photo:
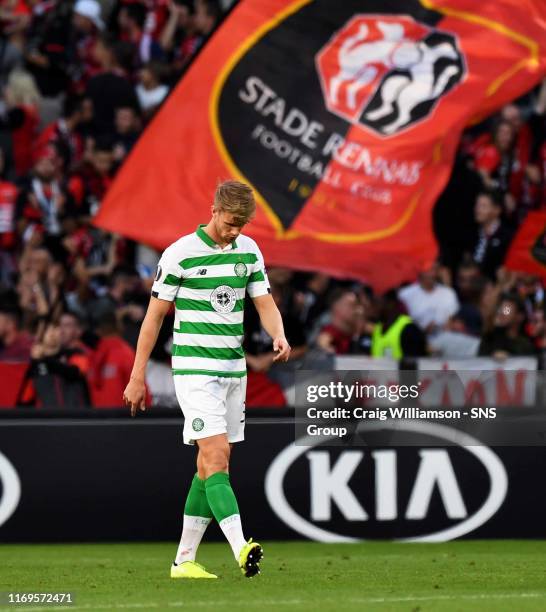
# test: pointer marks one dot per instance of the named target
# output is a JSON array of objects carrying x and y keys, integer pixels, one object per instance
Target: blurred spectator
[
  {"x": 494, "y": 236},
  {"x": 395, "y": 335},
  {"x": 207, "y": 14},
  {"x": 499, "y": 166},
  {"x": 93, "y": 254},
  {"x": 43, "y": 200},
  {"x": 40, "y": 287},
  {"x": 337, "y": 336},
  {"x": 71, "y": 329},
  {"x": 311, "y": 301},
  {"x": 258, "y": 344},
  {"x": 132, "y": 21},
  {"x": 22, "y": 99},
  {"x": 14, "y": 20},
  {"x": 128, "y": 127},
  {"x": 59, "y": 365},
  {"x": 179, "y": 37},
  {"x": 188, "y": 29},
  {"x": 506, "y": 338},
  {"x": 15, "y": 344},
  {"x": 537, "y": 329},
  {"x": 469, "y": 283},
  {"x": 11, "y": 58},
  {"x": 87, "y": 23},
  {"x": 64, "y": 131},
  {"x": 429, "y": 303},
  {"x": 150, "y": 91},
  {"x": 124, "y": 297},
  {"x": 362, "y": 340},
  {"x": 48, "y": 44},
  {"x": 92, "y": 178},
  {"x": 530, "y": 291},
  {"x": 8, "y": 230},
  {"x": 115, "y": 59},
  {"x": 110, "y": 365},
  {"x": 454, "y": 212},
  {"x": 461, "y": 336}
]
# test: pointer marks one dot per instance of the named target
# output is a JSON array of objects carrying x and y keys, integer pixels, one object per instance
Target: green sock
[
  {"x": 196, "y": 502},
  {"x": 220, "y": 496},
  {"x": 224, "y": 506}
]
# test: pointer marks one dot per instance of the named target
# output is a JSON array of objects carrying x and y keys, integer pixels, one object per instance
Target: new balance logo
[{"x": 202, "y": 271}]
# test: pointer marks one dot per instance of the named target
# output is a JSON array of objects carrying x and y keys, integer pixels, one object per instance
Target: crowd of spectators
[{"x": 80, "y": 80}]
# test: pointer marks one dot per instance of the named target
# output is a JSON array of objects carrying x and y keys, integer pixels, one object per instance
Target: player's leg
[
  {"x": 197, "y": 516},
  {"x": 197, "y": 513},
  {"x": 251, "y": 554},
  {"x": 215, "y": 453}
]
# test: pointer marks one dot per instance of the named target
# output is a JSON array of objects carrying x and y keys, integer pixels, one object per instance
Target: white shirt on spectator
[
  {"x": 453, "y": 345},
  {"x": 426, "y": 307},
  {"x": 148, "y": 98}
]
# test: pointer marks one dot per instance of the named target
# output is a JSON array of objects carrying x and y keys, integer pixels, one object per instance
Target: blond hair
[
  {"x": 21, "y": 89},
  {"x": 237, "y": 199}
]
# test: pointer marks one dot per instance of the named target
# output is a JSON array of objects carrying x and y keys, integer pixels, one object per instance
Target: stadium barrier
[{"x": 105, "y": 479}]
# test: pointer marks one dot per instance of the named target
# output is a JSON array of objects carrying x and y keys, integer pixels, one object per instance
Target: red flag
[
  {"x": 343, "y": 116},
  {"x": 527, "y": 252}
]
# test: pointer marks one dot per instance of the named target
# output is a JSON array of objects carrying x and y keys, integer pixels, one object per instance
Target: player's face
[{"x": 227, "y": 226}]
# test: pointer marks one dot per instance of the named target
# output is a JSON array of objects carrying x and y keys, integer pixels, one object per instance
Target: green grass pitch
[{"x": 302, "y": 576}]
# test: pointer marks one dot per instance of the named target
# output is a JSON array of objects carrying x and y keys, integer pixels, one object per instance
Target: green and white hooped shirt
[{"x": 207, "y": 284}]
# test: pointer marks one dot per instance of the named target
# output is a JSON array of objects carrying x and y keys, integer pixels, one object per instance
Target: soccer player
[{"x": 206, "y": 274}]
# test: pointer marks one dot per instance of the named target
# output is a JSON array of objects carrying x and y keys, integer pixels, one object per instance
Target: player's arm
[
  {"x": 271, "y": 321},
  {"x": 135, "y": 392}
]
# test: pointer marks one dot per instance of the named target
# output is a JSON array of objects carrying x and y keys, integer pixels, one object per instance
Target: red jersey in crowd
[
  {"x": 23, "y": 138},
  {"x": 88, "y": 187},
  {"x": 80, "y": 356},
  {"x": 57, "y": 132},
  {"x": 19, "y": 8},
  {"x": 158, "y": 13},
  {"x": 44, "y": 203},
  {"x": 19, "y": 350},
  {"x": 8, "y": 196},
  {"x": 341, "y": 341},
  {"x": 109, "y": 372},
  {"x": 488, "y": 158},
  {"x": 187, "y": 49},
  {"x": 88, "y": 66}
]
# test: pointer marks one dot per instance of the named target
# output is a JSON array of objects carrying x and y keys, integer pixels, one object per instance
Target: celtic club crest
[{"x": 223, "y": 298}]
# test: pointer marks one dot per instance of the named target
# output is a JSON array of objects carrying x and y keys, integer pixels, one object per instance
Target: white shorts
[{"x": 211, "y": 405}]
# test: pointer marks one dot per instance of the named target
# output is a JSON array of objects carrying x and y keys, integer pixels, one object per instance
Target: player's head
[{"x": 234, "y": 206}]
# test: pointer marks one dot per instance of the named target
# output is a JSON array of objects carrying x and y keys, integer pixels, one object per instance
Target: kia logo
[
  {"x": 11, "y": 489},
  {"x": 335, "y": 483}
]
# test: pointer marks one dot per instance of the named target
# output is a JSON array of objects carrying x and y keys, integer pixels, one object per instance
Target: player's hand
[
  {"x": 135, "y": 395},
  {"x": 282, "y": 348}
]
